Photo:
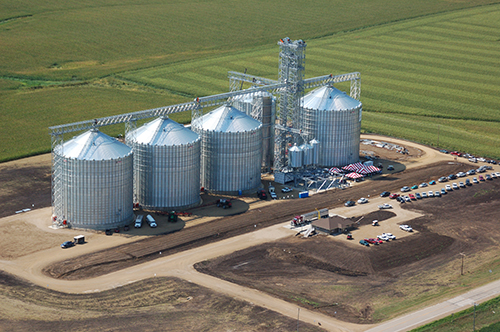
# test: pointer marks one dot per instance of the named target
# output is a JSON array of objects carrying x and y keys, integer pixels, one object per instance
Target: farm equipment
[{"x": 224, "y": 203}]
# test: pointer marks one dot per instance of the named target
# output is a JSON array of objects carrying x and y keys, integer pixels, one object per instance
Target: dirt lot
[
  {"x": 350, "y": 282},
  {"x": 126, "y": 255},
  {"x": 332, "y": 284},
  {"x": 157, "y": 304}
]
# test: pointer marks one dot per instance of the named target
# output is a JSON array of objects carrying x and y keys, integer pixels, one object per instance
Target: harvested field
[
  {"x": 143, "y": 306},
  {"x": 349, "y": 283}
]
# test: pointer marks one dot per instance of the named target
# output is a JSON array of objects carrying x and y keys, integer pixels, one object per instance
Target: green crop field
[{"x": 430, "y": 69}]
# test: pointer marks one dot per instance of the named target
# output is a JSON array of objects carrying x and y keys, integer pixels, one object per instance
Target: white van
[
  {"x": 138, "y": 221},
  {"x": 151, "y": 221}
]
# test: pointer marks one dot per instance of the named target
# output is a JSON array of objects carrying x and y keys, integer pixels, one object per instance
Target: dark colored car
[
  {"x": 488, "y": 177},
  {"x": 452, "y": 177},
  {"x": 467, "y": 182},
  {"x": 67, "y": 244},
  {"x": 385, "y": 194},
  {"x": 350, "y": 203},
  {"x": 417, "y": 195},
  {"x": 365, "y": 243}
]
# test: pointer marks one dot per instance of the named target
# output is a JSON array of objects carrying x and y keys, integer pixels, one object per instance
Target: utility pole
[
  {"x": 462, "y": 269},
  {"x": 298, "y": 314},
  {"x": 474, "y": 323}
]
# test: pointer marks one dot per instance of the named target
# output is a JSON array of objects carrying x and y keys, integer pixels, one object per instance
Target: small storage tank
[
  {"x": 334, "y": 119},
  {"x": 295, "y": 156},
  {"x": 166, "y": 165},
  {"x": 93, "y": 187},
  {"x": 316, "y": 150},
  {"x": 307, "y": 154},
  {"x": 231, "y": 150}
]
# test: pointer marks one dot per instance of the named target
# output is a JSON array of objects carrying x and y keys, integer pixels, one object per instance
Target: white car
[
  {"x": 406, "y": 198},
  {"x": 461, "y": 174},
  {"x": 455, "y": 186},
  {"x": 362, "y": 200},
  {"x": 405, "y": 189},
  {"x": 383, "y": 237},
  {"x": 389, "y": 235},
  {"x": 431, "y": 193},
  {"x": 286, "y": 190},
  {"x": 385, "y": 206},
  {"x": 497, "y": 174},
  {"x": 423, "y": 185},
  {"x": 448, "y": 187},
  {"x": 474, "y": 180},
  {"x": 406, "y": 228},
  {"x": 424, "y": 195}
]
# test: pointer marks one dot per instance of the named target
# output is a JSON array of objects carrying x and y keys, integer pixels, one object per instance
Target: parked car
[
  {"x": 452, "y": 177},
  {"x": 467, "y": 182},
  {"x": 481, "y": 178},
  {"x": 488, "y": 177},
  {"x": 405, "y": 189},
  {"x": 350, "y": 203},
  {"x": 437, "y": 194},
  {"x": 385, "y": 206},
  {"x": 461, "y": 184},
  {"x": 286, "y": 189},
  {"x": 448, "y": 187},
  {"x": 417, "y": 195},
  {"x": 362, "y": 200},
  {"x": 400, "y": 199},
  {"x": 414, "y": 187},
  {"x": 407, "y": 199},
  {"x": 454, "y": 186},
  {"x": 474, "y": 180},
  {"x": 412, "y": 197},
  {"x": 390, "y": 236},
  {"x": 423, "y": 185},
  {"x": 67, "y": 244},
  {"x": 383, "y": 238},
  {"x": 393, "y": 196},
  {"x": 471, "y": 172},
  {"x": 406, "y": 228},
  {"x": 444, "y": 151},
  {"x": 456, "y": 153},
  {"x": 443, "y": 179},
  {"x": 424, "y": 194},
  {"x": 431, "y": 193},
  {"x": 385, "y": 194},
  {"x": 365, "y": 243},
  {"x": 461, "y": 174},
  {"x": 432, "y": 182},
  {"x": 443, "y": 192},
  {"x": 494, "y": 175},
  {"x": 373, "y": 241},
  {"x": 390, "y": 168},
  {"x": 224, "y": 203}
]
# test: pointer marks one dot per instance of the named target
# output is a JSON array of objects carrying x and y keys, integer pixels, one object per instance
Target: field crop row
[{"x": 430, "y": 70}]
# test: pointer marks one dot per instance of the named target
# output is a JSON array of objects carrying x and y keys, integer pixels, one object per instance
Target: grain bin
[
  {"x": 334, "y": 119},
  {"x": 262, "y": 107},
  {"x": 231, "y": 150},
  {"x": 166, "y": 165},
  {"x": 296, "y": 157},
  {"x": 94, "y": 180}
]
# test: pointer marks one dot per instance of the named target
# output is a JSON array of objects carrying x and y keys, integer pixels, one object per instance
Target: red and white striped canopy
[{"x": 354, "y": 175}]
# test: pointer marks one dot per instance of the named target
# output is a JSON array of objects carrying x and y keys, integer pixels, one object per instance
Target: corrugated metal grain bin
[
  {"x": 166, "y": 165},
  {"x": 335, "y": 120},
  {"x": 231, "y": 150},
  {"x": 94, "y": 181}
]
